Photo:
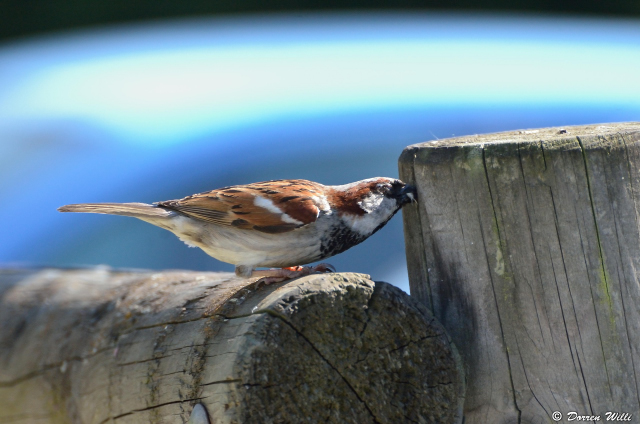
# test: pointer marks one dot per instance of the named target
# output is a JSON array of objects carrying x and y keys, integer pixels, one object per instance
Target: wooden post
[
  {"x": 100, "y": 346},
  {"x": 526, "y": 246}
]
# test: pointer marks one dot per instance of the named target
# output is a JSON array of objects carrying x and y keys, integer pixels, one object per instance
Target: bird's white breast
[{"x": 250, "y": 247}]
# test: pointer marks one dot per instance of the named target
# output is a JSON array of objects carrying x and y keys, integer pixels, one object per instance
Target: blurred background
[{"x": 145, "y": 101}]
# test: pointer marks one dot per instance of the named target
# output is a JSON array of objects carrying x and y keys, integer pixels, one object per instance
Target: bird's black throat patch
[{"x": 338, "y": 240}]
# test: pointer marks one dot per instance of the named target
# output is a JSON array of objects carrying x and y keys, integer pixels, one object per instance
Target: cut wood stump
[
  {"x": 101, "y": 346},
  {"x": 526, "y": 246}
]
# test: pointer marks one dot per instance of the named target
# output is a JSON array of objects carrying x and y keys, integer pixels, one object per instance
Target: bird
[{"x": 278, "y": 224}]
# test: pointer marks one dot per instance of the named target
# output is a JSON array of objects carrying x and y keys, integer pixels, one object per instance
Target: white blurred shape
[{"x": 166, "y": 94}]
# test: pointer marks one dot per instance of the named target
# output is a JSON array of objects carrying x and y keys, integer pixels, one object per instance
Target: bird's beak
[{"x": 409, "y": 194}]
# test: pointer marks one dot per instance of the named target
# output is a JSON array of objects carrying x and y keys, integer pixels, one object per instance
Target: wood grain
[{"x": 525, "y": 245}]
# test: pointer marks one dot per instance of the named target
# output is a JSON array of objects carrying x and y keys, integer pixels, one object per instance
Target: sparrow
[{"x": 278, "y": 223}]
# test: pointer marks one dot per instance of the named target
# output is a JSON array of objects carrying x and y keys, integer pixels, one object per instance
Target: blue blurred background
[{"x": 150, "y": 111}]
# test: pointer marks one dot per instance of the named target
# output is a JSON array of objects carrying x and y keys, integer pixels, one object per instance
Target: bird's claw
[
  {"x": 322, "y": 268},
  {"x": 278, "y": 275},
  {"x": 265, "y": 281},
  {"x": 300, "y": 271}
]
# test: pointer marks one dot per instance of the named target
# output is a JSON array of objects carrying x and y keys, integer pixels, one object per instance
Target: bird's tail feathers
[{"x": 138, "y": 210}]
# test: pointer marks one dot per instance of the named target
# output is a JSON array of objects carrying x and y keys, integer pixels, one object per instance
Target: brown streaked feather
[{"x": 235, "y": 206}]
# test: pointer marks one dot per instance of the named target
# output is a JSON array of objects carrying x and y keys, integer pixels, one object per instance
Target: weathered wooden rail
[
  {"x": 100, "y": 346},
  {"x": 525, "y": 245}
]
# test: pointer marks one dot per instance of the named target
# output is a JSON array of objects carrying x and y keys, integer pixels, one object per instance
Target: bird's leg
[{"x": 276, "y": 275}]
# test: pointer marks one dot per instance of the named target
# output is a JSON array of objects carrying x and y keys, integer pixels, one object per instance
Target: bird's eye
[{"x": 383, "y": 187}]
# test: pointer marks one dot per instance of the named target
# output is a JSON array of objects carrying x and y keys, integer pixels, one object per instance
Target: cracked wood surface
[
  {"x": 102, "y": 346},
  {"x": 525, "y": 246}
]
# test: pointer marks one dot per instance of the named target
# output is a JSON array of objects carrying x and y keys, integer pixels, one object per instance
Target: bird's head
[
  {"x": 395, "y": 189},
  {"x": 367, "y": 205}
]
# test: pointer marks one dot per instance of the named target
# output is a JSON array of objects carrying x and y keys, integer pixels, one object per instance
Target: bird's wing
[{"x": 270, "y": 206}]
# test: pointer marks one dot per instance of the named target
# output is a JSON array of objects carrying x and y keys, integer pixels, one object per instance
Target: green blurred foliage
[{"x": 19, "y": 18}]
